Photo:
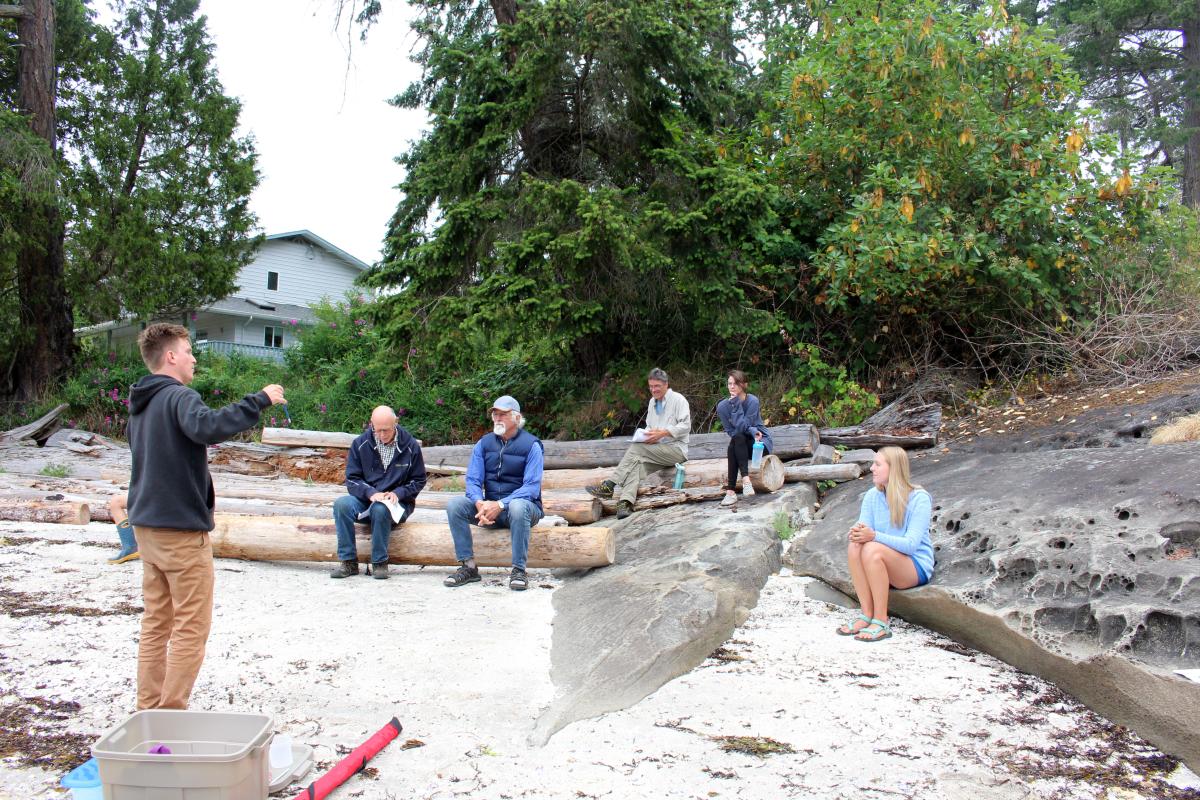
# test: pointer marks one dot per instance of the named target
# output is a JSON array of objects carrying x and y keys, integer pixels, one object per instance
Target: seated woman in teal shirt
[{"x": 889, "y": 545}]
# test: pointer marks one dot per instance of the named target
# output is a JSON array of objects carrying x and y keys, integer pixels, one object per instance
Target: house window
[
  {"x": 273, "y": 337},
  {"x": 273, "y": 281},
  {"x": 201, "y": 334}
]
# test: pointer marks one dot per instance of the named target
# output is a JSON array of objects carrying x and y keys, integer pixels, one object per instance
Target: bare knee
[{"x": 873, "y": 552}]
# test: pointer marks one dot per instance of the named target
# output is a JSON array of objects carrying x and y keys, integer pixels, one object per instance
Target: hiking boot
[
  {"x": 380, "y": 571},
  {"x": 461, "y": 576},
  {"x": 603, "y": 490},
  {"x": 624, "y": 509},
  {"x": 518, "y": 581},
  {"x": 345, "y": 569}
]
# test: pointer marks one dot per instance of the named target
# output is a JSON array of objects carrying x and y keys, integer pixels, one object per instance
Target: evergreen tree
[
  {"x": 1140, "y": 60},
  {"x": 566, "y": 198},
  {"x": 159, "y": 182}
]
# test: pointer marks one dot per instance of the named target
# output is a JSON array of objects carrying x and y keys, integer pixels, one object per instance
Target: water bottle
[
  {"x": 756, "y": 458},
  {"x": 679, "y": 476}
]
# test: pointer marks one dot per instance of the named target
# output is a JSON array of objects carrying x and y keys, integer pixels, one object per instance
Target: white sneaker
[
  {"x": 730, "y": 499},
  {"x": 747, "y": 488}
]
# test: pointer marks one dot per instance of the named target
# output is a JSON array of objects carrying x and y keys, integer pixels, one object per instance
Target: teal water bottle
[
  {"x": 756, "y": 458},
  {"x": 679, "y": 476}
]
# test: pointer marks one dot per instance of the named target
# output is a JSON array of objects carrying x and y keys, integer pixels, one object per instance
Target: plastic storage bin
[{"x": 214, "y": 756}]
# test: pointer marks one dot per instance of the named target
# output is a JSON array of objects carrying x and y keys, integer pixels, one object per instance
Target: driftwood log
[
  {"x": 902, "y": 426},
  {"x": 65, "y": 512},
  {"x": 769, "y": 476},
  {"x": 822, "y": 472},
  {"x": 314, "y": 539},
  {"x": 39, "y": 430},
  {"x": 575, "y": 507},
  {"x": 791, "y": 441},
  {"x": 661, "y": 497}
]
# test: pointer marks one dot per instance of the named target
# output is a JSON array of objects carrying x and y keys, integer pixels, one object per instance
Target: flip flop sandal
[
  {"x": 849, "y": 630},
  {"x": 867, "y": 635}
]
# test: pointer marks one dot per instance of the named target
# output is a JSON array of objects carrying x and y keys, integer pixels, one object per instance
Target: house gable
[{"x": 302, "y": 268}]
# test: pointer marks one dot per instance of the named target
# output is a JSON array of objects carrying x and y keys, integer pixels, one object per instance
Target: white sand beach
[{"x": 467, "y": 671}]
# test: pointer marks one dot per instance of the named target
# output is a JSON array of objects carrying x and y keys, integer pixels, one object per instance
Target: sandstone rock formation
[
  {"x": 685, "y": 577},
  {"x": 1081, "y": 566}
]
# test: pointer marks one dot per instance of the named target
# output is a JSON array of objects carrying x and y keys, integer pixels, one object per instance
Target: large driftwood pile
[{"x": 77, "y": 469}]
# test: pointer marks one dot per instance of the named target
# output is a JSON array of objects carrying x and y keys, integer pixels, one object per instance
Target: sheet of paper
[
  {"x": 639, "y": 435},
  {"x": 394, "y": 509}
]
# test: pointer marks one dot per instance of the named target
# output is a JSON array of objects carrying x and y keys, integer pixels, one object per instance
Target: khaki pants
[
  {"x": 638, "y": 462},
  {"x": 177, "y": 592}
]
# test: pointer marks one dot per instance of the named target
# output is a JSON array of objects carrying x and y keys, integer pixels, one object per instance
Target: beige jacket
[{"x": 676, "y": 419}]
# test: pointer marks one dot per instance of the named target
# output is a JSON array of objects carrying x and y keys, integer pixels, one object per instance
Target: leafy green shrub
[
  {"x": 782, "y": 526},
  {"x": 824, "y": 394},
  {"x": 57, "y": 470}
]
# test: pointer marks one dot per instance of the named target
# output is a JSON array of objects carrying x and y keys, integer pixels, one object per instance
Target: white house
[{"x": 275, "y": 293}]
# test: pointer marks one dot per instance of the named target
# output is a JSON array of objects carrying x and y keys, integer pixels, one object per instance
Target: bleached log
[
  {"x": 314, "y": 539},
  {"x": 769, "y": 476},
  {"x": 902, "y": 426},
  {"x": 791, "y": 441},
  {"x": 661, "y": 497},
  {"x": 825, "y": 454},
  {"x": 291, "y": 437},
  {"x": 67, "y": 513},
  {"x": 821, "y": 472},
  {"x": 574, "y": 507},
  {"x": 39, "y": 430}
]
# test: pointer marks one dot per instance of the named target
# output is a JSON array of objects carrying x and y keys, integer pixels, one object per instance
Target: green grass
[
  {"x": 782, "y": 525},
  {"x": 56, "y": 470}
]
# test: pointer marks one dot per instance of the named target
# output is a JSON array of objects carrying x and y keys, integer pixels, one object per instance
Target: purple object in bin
[{"x": 159, "y": 750}]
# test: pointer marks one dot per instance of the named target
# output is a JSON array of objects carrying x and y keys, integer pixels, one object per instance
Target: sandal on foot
[
  {"x": 849, "y": 630},
  {"x": 882, "y": 631}
]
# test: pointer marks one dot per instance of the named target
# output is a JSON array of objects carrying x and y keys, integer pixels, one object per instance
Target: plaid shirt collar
[{"x": 386, "y": 451}]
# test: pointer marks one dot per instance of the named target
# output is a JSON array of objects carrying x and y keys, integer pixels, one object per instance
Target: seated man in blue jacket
[
  {"x": 504, "y": 488},
  {"x": 384, "y": 465}
]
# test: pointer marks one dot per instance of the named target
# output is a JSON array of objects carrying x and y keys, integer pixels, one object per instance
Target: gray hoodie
[{"x": 170, "y": 429}]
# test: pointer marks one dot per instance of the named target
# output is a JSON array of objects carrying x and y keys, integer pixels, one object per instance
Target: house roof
[
  {"x": 261, "y": 309},
  {"x": 311, "y": 237}
]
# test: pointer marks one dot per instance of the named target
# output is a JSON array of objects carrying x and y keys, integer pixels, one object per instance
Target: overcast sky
[{"x": 325, "y": 134}]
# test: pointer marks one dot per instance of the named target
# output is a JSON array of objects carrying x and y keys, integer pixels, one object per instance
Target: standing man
[
  {"x": 171, "y": 507},
  {"x": 384, "y": 466},
  {"x": 665, "y": 442},
  {"x": 504, "y": 488}
]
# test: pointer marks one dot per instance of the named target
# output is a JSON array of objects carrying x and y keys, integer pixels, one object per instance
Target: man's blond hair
[{"x": 156, "y": 340}]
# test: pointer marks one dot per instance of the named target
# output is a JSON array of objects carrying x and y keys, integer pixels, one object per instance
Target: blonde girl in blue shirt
[{"x": 889, "y": 546}]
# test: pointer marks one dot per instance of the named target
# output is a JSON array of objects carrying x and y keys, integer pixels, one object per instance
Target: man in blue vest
[{"x": 504, "y": 488}]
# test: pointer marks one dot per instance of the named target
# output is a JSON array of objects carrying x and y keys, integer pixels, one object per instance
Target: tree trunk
[
  {"x": 1191, "y": 109},
  {"x": 45, "y": 348},
  {"x": 314, "y": 539}
]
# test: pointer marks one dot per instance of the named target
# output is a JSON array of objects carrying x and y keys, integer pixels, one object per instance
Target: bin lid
[
  {"x": 85, "y": 776},
  {"x": 302, "y": 761}
]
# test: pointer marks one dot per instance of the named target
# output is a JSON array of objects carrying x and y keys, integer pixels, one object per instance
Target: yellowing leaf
[
  {"x": 938, "y": 60},
  {"x": 926, "y": 27},
  {"x": 854, "y": 226},
  {"x": 877, "y": 197},
  {"x": 906, "y": 208},
  {"x": 1124, "y": 184}
]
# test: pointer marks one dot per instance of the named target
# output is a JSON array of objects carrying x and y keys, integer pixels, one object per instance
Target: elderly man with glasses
[
  {"x": 504, "y": 489},
  {"x": 385, "y": 472},
  {"x": 662, "y": 443}
]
